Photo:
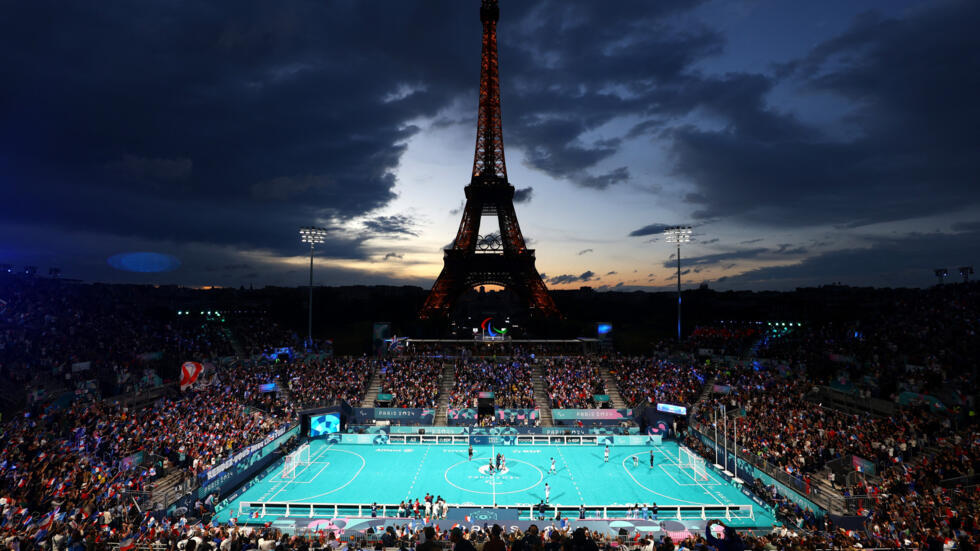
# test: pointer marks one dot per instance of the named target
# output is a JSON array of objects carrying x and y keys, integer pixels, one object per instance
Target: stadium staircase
[
  {"x": 541, "y": 397},
  {"x": 165, "y": 490},
  {"x": 825, "y": 495},
  {"x": 374, "y": 387},
  {"x": 612, "y": 388},
  {"x": 447, "y": 381}
]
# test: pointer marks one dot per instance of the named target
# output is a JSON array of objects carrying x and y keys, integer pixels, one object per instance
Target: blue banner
[
  {"x": 407, "y": 416},
  {"x": 496, "y": 440},
  {"x": 461, "y": 416},
  {"x": 372, "y": 439},
  {"x": 591, "y": 416},
  {"x": 231, "y": 473},
  {"x": 517, "y": 416},
  {"x": 429, "y": 430}
]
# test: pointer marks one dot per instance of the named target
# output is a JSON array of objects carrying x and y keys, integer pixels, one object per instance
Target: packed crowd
[
  {"x": 315, "y": 381},
  {"x": 573, "y": 381},
  {"x": 651, "y": 380},
  {"x": 509, "y": 381},
  {"x": 777, "y": 421},
  {"x": 925, "y": 496},
  {"x": 78, "y": 468},
  {"x": 412, "y": 382},
  {"x": 724, "y": 340},
  {"x": 58, "y": 336}
]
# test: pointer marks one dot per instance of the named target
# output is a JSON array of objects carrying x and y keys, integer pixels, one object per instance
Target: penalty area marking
[
  {"x": 342, "y": 486},
  {"x": 319, "y": 454},
  {"x": 641, "y": 485}
]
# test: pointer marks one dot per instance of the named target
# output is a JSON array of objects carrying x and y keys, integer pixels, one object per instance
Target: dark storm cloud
[
  {"x": 710, "y": 259},
  {"x": 187, "y": 122},
  {"x": 569, "y": 278},
  {"x": 910, "y": 84},
  {"x": 396, "y": 256},
  {"x": 650, "y": 229},
  {"x": 584, "y": 251},
  {"x": 903, "y": 260},
  {"x": 391, "y": 225},
  {"x": 572, "y": 67},
  {"x": 523, "y": 195}
]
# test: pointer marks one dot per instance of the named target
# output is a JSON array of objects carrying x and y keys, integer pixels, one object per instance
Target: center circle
[
  {"x": 483, "y": 476},
  {"x": 486, "y": 470}
]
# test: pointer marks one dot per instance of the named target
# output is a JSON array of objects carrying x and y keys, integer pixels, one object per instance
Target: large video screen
[{"x": 324, "y": 424}]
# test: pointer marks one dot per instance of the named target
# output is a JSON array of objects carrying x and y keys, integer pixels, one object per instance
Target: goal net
[
  {"x": 297, "y": 458},
  {"x": 695, "y": 464}
]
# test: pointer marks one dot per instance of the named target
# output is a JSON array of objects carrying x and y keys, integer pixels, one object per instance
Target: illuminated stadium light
[
  {"x": 678, "y": 234},
  {"x": 314, "y": 236}
]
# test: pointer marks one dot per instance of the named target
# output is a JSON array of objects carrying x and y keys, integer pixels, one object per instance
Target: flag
[
  {"x": 127, "y": 544},
  {"x": 468, "y": 518},
  {"x": 189, "y": 372}
]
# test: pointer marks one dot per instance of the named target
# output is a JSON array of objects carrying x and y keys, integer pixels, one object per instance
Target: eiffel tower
[{"x": 496, "y": 259}]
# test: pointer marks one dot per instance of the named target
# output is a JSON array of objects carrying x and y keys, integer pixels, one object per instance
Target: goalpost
[
  {"x": 298, "y": 457},
  {"x": 688, "y": 460}
]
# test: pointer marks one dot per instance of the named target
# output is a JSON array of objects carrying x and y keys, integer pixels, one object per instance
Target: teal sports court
[{"x": 344, "y": 479}]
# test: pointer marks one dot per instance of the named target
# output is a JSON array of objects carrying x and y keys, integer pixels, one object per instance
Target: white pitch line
[
  {"x": 288, "y": 482},
  {"x": 418, "y": 472},
  {"x": 571, "y": 476}
]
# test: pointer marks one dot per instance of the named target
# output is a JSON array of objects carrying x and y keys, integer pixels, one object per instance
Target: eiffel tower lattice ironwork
[{"x": 473, "y": 259}]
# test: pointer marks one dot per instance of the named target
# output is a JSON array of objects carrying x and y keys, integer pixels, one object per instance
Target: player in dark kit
[{"x": 471, "y": 453}]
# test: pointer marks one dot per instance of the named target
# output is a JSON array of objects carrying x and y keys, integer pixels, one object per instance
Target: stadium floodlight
[
  {"x": 314, "y": 236},
  {"x": 965, "y": 273},
  {"x": 678, "y": 234},
  {"x": 941, "y": 274}
]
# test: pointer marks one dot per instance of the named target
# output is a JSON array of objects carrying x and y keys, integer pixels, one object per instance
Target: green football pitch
[{"x": 389, "y": 474}]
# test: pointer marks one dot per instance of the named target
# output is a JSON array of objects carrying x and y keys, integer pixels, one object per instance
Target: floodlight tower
[
  {"x": 941, "y": 274},
  {"x": 965, "y": 273},
  {"x": 312, "y": 235},
  {"x": 678, "y": 234}
]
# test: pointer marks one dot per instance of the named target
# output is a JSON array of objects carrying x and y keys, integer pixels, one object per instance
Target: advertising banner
[
  {"x": 591, "y": 416},
  {"x": 131, "y": 461},
  {"x": 862, "y": 465},
  {"x": 372, "y": 439},
  {"x": 493, "y": 439},
  {"x": 638, "y": 440},
  {"x": 407, "y": 416},
  {"x": 517, "y": 416},
  {"x": 461, "y": 416},
  {"x": 224, "y": 477},
  {"x": 428, "y": 430}
]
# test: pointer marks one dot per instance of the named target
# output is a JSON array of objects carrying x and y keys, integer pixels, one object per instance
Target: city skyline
[{"x": 806, "y": 144}]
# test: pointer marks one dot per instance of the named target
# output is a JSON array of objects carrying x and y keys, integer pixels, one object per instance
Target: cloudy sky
[{"x": 807, "y": 142}]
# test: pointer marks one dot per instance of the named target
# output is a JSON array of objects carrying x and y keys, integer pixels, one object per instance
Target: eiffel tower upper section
[{"x": 474, "y": 259}]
